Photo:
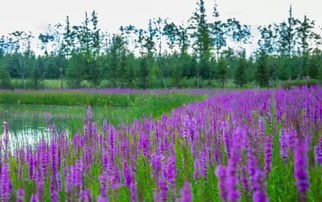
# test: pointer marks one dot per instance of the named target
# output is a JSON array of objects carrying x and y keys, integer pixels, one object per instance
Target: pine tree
[
  {"x": 286, "y": 35},
  {"x": 202, "y": 40},
  {"x": 240, "y": 72},
  {"x": 221, "y": 72},
  {"x": 306, "y": 35},
  {"x": 262, "y": 74},
  {"x": 313, "y": 66},
  {"x": 144, "y": 72}
]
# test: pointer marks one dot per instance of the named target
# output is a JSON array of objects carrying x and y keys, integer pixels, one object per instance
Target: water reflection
[
  {"x": 30, "y": 137},
  {"x": 29, "y": 128}
]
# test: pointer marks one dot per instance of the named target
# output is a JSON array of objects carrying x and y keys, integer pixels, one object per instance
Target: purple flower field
[{"x": 253, "y": 145}]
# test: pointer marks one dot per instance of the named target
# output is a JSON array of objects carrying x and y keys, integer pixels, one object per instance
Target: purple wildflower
[
  {"x": 268, "y": 154},
  {"x": 20, "y": 195},
  {"x": 259, "y": 194},
  {"x": 244, "y": 178},
  {"x": 54, "y": 197},
  {"x": 227, "y": 142},
  {"x": 287, "y": 139},
  {"x": 103, "y": 188},
  {"x": 34, "y": 198},
  {"x": 233, "y": 194},
  {"x": 44, "y": 158},
  {"x": 145, "y": 144},
  {"x": 169, "y": 170},
  {"x": 157, "y": 197},
  {"x": 101, "y": 198},
  {"x": 300, "y": 167},
  {"x": 111, "y": 135},
  {"x": 186, "y": 195},
  {"x": 217, "y": 155},
  {"x": 133, "y": 192},
  {"x": 53, "y": 192},
  {"x": 196, "y": 166},
  {"x": 163, "y": 189},
  {"x": 284, "y": 146},
  {"x": 6, "y": 186},
  {"x": 53, "y": 156},
  {"x": 221, "y": 172},
  {"x": 40, "y": 187},
  {"x": 128, "y": 175},
  {"x": 318, "y": 153},
  {"x": 156, "y": 164},
  {"x": 85, "y": 195},
  {"x": 31, "y": 165}
]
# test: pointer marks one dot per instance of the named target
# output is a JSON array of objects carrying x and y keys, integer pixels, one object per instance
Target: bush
[{"x": 300, "y": 82}]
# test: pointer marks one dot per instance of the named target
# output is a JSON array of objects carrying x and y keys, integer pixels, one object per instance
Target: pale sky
[{"x": 35, "y": 15}]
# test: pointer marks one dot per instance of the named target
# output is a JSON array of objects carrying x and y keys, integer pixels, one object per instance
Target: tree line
[{"x": 205, "y": 51}]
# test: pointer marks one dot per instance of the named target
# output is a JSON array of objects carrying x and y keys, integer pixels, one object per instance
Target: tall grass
[{"x": 95, "y": 99}]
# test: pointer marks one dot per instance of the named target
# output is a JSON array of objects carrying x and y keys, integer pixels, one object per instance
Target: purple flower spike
[
  {"x": 85, "y": 196},
  {"x": 284, "y": 146},
  {"x": 163, "y": 189},
  {"x": 318, "y": 153},
  {"x": 20, "y": 195},
  {"x": 54, "y": 197},
  {"x": 233, "y": 193},
  {"x": 6, "y": 186},
  {"x": 300, "y": 168},
  {"x": 268, "y": 154},
  {"x": 103, "y": 189},
  {"x": 101, "y": 198},
  {"x": 259, "y": 194},
  {"x": 128, "y": 176},
  {"x": 34, "y": 198},
  {"x": 186, "y": 195},
  {"x": 221, "y": 172}
]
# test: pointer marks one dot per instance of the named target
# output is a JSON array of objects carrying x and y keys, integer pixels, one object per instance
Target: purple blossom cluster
[{"x": 236, "y": 133}]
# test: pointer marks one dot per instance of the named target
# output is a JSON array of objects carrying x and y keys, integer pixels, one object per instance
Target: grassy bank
[
  {"x": 67, "y": 109},
  {"x": 96, "y": 99}
]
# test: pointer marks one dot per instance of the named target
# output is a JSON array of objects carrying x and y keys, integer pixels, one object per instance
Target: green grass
[
  {"x": 95, "y": 99},
  {"x": 29, "y": 110}
]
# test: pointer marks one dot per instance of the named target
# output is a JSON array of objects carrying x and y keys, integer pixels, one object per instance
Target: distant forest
[{"x": 205, "y": 51}]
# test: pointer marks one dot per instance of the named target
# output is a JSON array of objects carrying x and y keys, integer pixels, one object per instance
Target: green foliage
[
  {"x": 144, "y": 179},
  {"x": 95, "y": 99},
  {"x": 94, "y": 185},
  {"x": 240, "y": 73},
  {"x": 4, "y": 79},
  {"x": 201, "y": 32},
  {"x": 307, "y": 82},
  {"x": 76, "y": 70},
  {"x": 144, "y": 72},
  {"x": 157, "y": 57},
  {"x": 262, "y": 77},
  {"x": 221, "y": 72}
]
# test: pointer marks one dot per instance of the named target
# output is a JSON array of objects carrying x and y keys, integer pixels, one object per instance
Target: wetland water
[{"x": 28, "y": 124}]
